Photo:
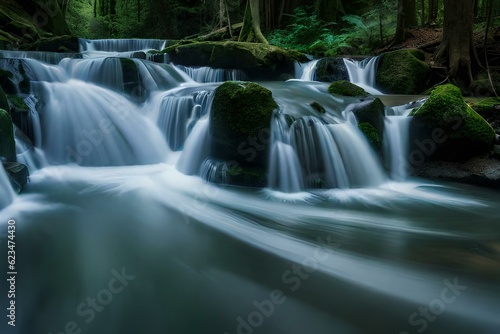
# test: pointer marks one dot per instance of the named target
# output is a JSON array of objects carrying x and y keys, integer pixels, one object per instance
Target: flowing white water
[
  {"x": 396, "y": 145},
  {"x": 6, "y": 192},
  {"x": 363, "y": 73},
  {"x": 306, "y": 71},
  {"x": 208, "y": 74},
  {"x": 46, "y": 57},
  {"x": 121, "y": 45},
  {"x": 92, "y": 126}
]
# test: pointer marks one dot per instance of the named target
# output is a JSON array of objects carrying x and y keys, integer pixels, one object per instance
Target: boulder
[
  {"x": 346, "y": 88},
  {"x": 7, "y": 144},
  {"x": 449, "y": 129},
  {"x": 18, "y": 175},
  {"x": 489, "y": 109},
  {"x": 259, "y": 61},
  {"x": 402, "y": 72},
  {"x": 331, "y": 69},
  {"x": 240, "y": 125},
  {"x": 370, "y": 115}
]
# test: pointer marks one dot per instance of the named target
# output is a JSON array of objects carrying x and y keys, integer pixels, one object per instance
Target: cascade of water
[
  {"x": 318, "y": 153},
  {"x": 121, "y": 45},
  {"x": 363, "y": 73},
  {"x": 196, "y": 149},
  {"x": 363, "y": 167},
  {"x": 306, "y": 71},
  {"x": 285, "y": 171},
  {"x": 34, "y": 119},
  {"x": 101, "y": 71},
  {"x": 47, "y": 57},
  {"x": 177, "y": 115},
  {"x": 89, "y": 125},
  {"x": 208, "y": 74},
  {"x": 7, "y": 194},
  {"x": 395, "y": 144},
  {"x": 45, "y": 72}
]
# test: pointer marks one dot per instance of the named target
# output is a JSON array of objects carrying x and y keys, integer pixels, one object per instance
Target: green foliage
[
  {"x": 371, "y": 133},
  {"x": 306, "y": 33},
  {"x": 346, "y": 88},
  {"x": 352, "y": 35}
]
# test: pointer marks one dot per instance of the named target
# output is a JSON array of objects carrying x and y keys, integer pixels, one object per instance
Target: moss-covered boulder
[
  {"x": 7, "y": 144},
  {"x": 259, "y": 61},
  {"x": 240, "y": 124},
  {"x": 371, "y": 134},
  {"x": 452, "y": 130},
  {"x": 346, "y": 88},
  {"x": 482, "y": 85},
  {"x": 370, "y": 115},
  {"x": 318, "y": 107},
  {"x": 4, "y": 103},
  {"x": 489, "y": 109},
  {"x": 402, "y": 72},
  {"x": 331, "y": 69}
]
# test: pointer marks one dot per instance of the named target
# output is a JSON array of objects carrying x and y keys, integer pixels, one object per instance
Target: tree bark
[
  {"x": 251, "y": 24},
  {"x": 457, "y": 50},
  {"x": 330, "y": 11},
  {"x": 400, "y": 35}
]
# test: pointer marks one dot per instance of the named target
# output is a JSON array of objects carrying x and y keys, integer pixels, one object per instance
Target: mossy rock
[
  {"x": 346, "y": 88},
  {"x": 402, "y": 72},
  {"x": 4, "y": 103},
  {"x": 464, "y": 133},
  {"x": 240, "y": 123},
  {"x": 331, "y": 69},
  {"x": 260, "y": 61},
  {"x": 370, "y": 115},
  {"x": 371, "y": 134},
  {"x": 482, "y": 84},
  {"x": 18, "y": 102},
  {"x": 489, "y": 109},
  {"x": 7, "y": 143},
  {"x": 20, "y": 28},
  {"x": 318, "y": 107}
]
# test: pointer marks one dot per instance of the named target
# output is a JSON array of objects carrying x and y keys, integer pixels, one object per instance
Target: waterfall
[
  {"x": 46, "y": 57},
  {"x": 208, "y": 74},
  {"x": 7, "y": 194},
  {"x": 285, "y": 171},
  {"x": 121, "y": 45},
  {"x": 306, "y": 71},
  {"x": 89, "y": 125},
  {"x": 396, "y": 137},
  {"x": 196, "y": 149},
  {"x": 363, "y": 73}
]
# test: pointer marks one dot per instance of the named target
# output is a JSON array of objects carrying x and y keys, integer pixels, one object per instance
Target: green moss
[
  {"x": 487, "y": 107},
  {"x": 4, "y": 103},
  {"x": 402, "y": 72},
  {"x": 242, "y": 108},
  {"x": 240, "y": 123},
  {"x": 257, "y": 58},
  {"x": 318, "y": 107},
  {"x": 371, "y": 134},
  {"x": 345, "y": 88},
  {"x": 7, "y": 144},
  {"x": 18, "y": 102},
  {"x": 447, "y": 110}
]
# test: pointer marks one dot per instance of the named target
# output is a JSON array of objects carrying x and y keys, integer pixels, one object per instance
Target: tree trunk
[
  {"x": 457, "y": 50},
  {"x": 250, "y": 32},
  {"x": 330, "y": 11},
  {"x": 400, "y": 35},
  {"x": 411, "y": 13},
  {"x": 95, "y": 8},
  {"x": 422, "y": 23}
]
